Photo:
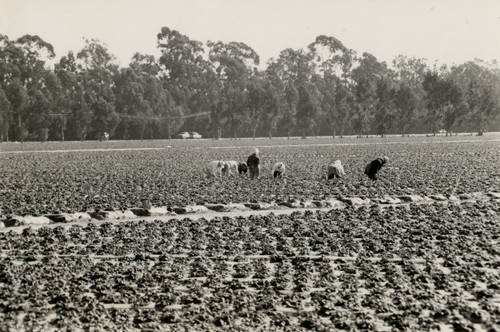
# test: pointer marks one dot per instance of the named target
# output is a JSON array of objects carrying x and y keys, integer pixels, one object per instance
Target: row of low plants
[
  {"x": 65, "y": 182},
  {"x": 422, "y": 267}
]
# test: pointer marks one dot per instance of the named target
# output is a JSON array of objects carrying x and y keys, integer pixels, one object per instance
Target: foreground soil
[{"x": 413, "y": 267}]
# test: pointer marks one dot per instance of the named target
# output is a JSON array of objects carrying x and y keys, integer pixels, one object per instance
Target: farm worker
[
  {"x": 226, "y": 171},
  {"x": 230, "y": 168},
  {"x": 335, "y": 170},
  {"x": 242, "y": 168},
  {"x": 374, "y": 166},
  {"x": 253, "y": 162},
  {"x": 278, "y": 170},
  {"x": 234, "y": 167},
  {"x": 214, "y": 168}
]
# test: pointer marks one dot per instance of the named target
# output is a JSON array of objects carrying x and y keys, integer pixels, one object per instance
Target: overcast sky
[{"x": 450, "y": 31}]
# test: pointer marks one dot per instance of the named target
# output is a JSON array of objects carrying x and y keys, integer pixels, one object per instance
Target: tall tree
[
  {"x": 187, "y": 76},
  {"x": 334, "y": 62},
  {"x": 75, "y": 111},
  {"x": 406, "y": 103},
  {"x": 262, "y": 105},
  {"x": 332, "y": 58},
  {"x": 307, "y": 107},
  {"x": 234, "y": 64},
  {"x": 67, "y": 93},
  {"x": 289, "y": 110},
  {"x": 409, "y": 73},
  {"x": 5, "y": 116},
  {"x": 39, "y": 108},
  {"x": 365, "y": 76},
  {"x": 444, "y": 102},
  {"x": 134, "y": 111},
  {"x": 25, "y": 77},
  {"x": 276, "y": 99},
  {"x": 483, "y": 105},
  {"x": 479, "y": 83},
  {"x": 18, "y": 98},
  {"x": 295, "y": 69},
  {"x": 343, "y": 103},
  {"x": 384, "y": 106},
  {"x": 98, "y": 69},
  {"x": 454, "y": 108},
  {"x": 11, "y": 58},
  {"x": 255, "y": 103},
  {"x": 167, "y": 115}
]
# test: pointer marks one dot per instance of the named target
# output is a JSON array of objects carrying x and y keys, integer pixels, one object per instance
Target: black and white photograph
[{"x": 265, "y": 165}]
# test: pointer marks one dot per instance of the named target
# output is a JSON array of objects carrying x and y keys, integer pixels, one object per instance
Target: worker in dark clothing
[
  {"x": 242, "y": 168},
  {"x": 253, "y": 162},
  {"x": 374, "y": 166}
]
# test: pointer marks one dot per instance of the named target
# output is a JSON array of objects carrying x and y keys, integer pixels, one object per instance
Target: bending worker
[{"x": 374, "y": 166}]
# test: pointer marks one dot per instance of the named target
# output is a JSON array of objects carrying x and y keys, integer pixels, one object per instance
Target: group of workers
[{"x": 220, "y": 168}]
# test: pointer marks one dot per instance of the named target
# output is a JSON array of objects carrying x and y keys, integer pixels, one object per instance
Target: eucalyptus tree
[
  {"x": 272, "y": 107},
  {"x": 454, "y": 107},
  {"x": 410, "y": 70},
  {"x": 69, "y": 97},
  {"x": 60, "y": 110},
  {"x": 483, "y": 105},
  {"x": 479, "y": 83},
  {"x": 187, "y": 76},
  {"x": 8, "y": 68},
  {"x": 262, "y": 103},
  {"x": 97, "y": 66},
  {"x": 39, "y": 119},
  {"x": 18, "y": 99},
  {"x": 308, "y": 107},
  {"x": 366, "y": 75},
  {"x": 44, "y": 110},
  {"x": 333, "y": 58},
  {"x": 334, "y": 63},
  {"x": 11, "y": 61},
  {"x": 385, "y": 115},
  {"x": 344, "y": 102},
  {"x": 289, "y": 109},
  {"x": 443, "y": 100},
  {"x": 406, "y": 102},
  {"x": 289, "y": 96},
  {"x": 234, "y": 63},
  {"x": 133, "y": 110},
  {"x": 296, "y": 70},
  {"x": 75, "y": 113},
  {"x": 434, "y": 116},
  {"x": 23, "y": 77},
  {"x": 166, "y": 115},
  {"x": 409, "y": 73},
  {"x": 9, "y": 72},
  {"x": 38, "y": 81},
  {"x": 5, "y": 116},
  {"x": 276, "y": 95}
]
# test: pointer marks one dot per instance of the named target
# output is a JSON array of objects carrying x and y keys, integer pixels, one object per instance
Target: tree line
[{"x": 217, "y": 89}]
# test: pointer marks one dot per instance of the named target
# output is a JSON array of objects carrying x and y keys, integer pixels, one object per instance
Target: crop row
[
  {"x": 44, "y": 183},
  {"x": 409, "y": 267}
]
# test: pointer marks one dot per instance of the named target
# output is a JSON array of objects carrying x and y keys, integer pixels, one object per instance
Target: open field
[
  {"x": 429, "y": 266},
  {"x": 115, "y": 177}
]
